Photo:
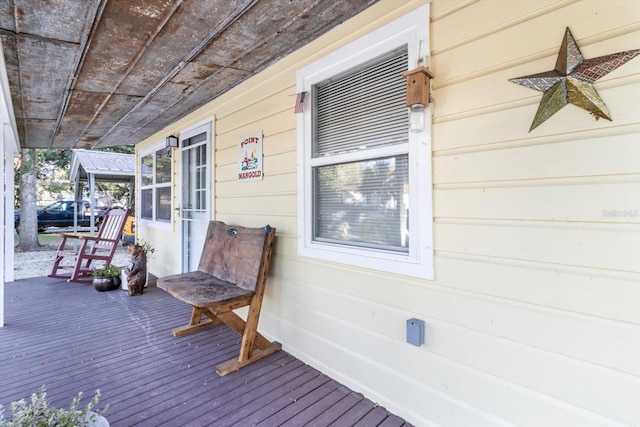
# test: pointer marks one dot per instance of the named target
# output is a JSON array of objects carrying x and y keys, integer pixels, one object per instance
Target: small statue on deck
[{"x": 137, "y": 272}]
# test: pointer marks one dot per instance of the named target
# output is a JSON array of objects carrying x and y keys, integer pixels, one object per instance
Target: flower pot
[
  {"x": 98, "y": 420},
  {"x": 123, "y": 280},
  {"x": 102, "y": 283}
]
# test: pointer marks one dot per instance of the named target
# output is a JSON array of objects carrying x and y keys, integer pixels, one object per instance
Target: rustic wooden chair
[
  {"x": 78, "y": 264},
  {"x": 231, "y": 274}
]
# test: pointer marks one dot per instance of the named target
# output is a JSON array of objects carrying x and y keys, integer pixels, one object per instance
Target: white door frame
[{"x": 207, "y": 127}]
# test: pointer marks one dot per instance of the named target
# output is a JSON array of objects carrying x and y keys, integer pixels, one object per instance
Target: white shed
[{"x": 100, "y": 166}]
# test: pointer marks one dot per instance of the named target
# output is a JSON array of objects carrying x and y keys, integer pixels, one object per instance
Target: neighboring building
[{"x": 519, "y": 250}]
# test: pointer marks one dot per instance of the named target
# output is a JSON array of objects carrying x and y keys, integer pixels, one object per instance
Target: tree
[
  {"x": 52, "y": 169},
  {"x": 40, "y": 170},
  {"x": 28, "y": 227},
  {"x": 49, "y": 164}
]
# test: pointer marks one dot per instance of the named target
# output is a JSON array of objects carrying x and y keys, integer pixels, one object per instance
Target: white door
[{"x": 196, "y": 193}]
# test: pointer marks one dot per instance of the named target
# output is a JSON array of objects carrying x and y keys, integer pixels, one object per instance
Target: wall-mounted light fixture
[
  {"x": 417, "y": 97},
  {"x": 171, "y": 141}
]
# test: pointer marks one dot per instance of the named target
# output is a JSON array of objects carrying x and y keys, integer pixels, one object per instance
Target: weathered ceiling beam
[
  {"x": 87, "y": 34},
  {"x": 131, "y": 66},
  {"x": 99, "y": 73},
  {"x": 237, "y": 13}
]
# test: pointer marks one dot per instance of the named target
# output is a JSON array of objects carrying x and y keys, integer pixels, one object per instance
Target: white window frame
[
  {"x": 411, "y": 30},
  {"x": 155, "y": 223}
]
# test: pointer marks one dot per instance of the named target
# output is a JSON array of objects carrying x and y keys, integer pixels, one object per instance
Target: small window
[
  {"x": 155, "y": 185},
  {"x": 364, "y": 179}
]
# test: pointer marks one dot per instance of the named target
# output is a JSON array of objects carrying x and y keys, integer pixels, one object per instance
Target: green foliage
[
  {"x": 50, "y": 160},
  {"x": 98, "y": 272},
  {"x": 39, "y": 413},
  {"x": 48, "y": 166},
  {"x": 116, "y": 191},
  {"x": 122, "y": 149},
  {"x": 51, "y": 167},
  {"x": 107, "y": 271},
  {"x": 146, "y": 247}
]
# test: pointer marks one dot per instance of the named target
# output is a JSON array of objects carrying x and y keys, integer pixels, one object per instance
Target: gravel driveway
[{"x": 39, "y": 263}]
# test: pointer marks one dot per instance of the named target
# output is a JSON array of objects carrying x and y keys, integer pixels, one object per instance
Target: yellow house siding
[
  {"x": 532, "y": 318},
  {"x": 525, "y": 225}
]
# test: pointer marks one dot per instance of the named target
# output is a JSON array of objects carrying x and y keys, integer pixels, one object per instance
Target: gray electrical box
[{"x": 415, "y": 332}]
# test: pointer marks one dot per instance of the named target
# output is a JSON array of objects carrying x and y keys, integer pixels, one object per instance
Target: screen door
[{"x": 196, "y": 194}]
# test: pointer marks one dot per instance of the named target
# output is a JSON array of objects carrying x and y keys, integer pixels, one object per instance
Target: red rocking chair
[{"x": 79, "y": 265}]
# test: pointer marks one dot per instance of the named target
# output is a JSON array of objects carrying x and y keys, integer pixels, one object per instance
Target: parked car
[
  {"x": 60, "y": 214},
  {"x": 129, "y": 231}
]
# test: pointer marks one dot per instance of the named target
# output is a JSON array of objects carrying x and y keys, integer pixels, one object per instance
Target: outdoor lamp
[
  {"x": 171, "y": 141},
  {"x": 417, "y": 97}
]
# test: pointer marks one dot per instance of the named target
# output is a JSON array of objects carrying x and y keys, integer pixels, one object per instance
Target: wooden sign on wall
[{"x": 250, "y": 157}]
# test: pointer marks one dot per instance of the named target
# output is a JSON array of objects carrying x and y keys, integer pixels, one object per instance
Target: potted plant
[
  {"x": 107, "y": 278},
  {"x": 39, "y": 413},
  {"x": 146, "y": 248},
  {"x": 114, "y": 273}
]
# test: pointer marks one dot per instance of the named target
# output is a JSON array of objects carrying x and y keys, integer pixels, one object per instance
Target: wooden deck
[{"x": 72, "y": 338}]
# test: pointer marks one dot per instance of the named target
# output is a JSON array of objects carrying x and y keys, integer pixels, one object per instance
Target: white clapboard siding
[
  {"x": 481, "y": 358},
  {"x": 228, "y": 186},
  {"x": 598, "y": 199},
  {"x": 589, "y": 291},
  {"x": 523, "y": 33},
  {"x": 605, "y": 246},
  {"x": 468, "y": 96},
  {"x": 593, "y": 155},
  {"x": 556, "y": 331}
]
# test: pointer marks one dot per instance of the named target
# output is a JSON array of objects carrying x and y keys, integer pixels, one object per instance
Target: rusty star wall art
[{"x": 571, "y": 81}]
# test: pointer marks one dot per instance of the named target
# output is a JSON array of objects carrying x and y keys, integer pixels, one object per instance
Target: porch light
[
  {"x": 417, "y": 97},
  {"x": 171, "y": 141}
]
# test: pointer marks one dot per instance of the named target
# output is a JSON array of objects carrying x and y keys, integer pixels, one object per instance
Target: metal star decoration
[{"x": 571, "y": 81}]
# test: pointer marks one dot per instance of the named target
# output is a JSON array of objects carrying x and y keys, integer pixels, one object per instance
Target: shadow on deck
[{"x": 72, "y": 338}]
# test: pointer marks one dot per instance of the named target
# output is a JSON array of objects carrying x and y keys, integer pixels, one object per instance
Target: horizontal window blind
[
  {"x": 364, "y": 108},
  {"x": 364, "y": 203}
]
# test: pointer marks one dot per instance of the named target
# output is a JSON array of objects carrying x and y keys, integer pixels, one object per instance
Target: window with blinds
[
  {"x": 363, "y": 202},
  {"x": 364, "y": 181},
  {"x": 363, "y": 109}
]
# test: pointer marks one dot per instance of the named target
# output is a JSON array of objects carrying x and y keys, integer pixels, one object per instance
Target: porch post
[
  {"x": 9, "y": 209},
  {"x": 92, "y": 198},
  {"x": 8, "y": 151},
  {"x": 9, "y": 148},
  {"x": 4, "y": 228}
]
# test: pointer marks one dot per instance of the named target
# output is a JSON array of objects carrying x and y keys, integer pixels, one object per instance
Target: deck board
[
  {"x": 269, "y": 402},
  {"x": 316, "y": 408},
  {"x": 72, "y": 338},
  {"x": 293, "y": 403}
]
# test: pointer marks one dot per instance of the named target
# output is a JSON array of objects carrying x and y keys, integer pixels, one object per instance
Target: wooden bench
[{"x": 231, "y": 274}]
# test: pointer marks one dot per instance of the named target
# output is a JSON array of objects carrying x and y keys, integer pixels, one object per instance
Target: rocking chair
[{"x": 79, "y": 264}]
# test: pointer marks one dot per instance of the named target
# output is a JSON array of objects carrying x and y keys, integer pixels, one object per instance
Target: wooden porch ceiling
[
  {"x": 99, "y": 73},
  {"x": 72, "y": 338}
]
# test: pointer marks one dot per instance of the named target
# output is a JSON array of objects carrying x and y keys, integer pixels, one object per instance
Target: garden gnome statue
[{"x": 137, "y": 273}]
